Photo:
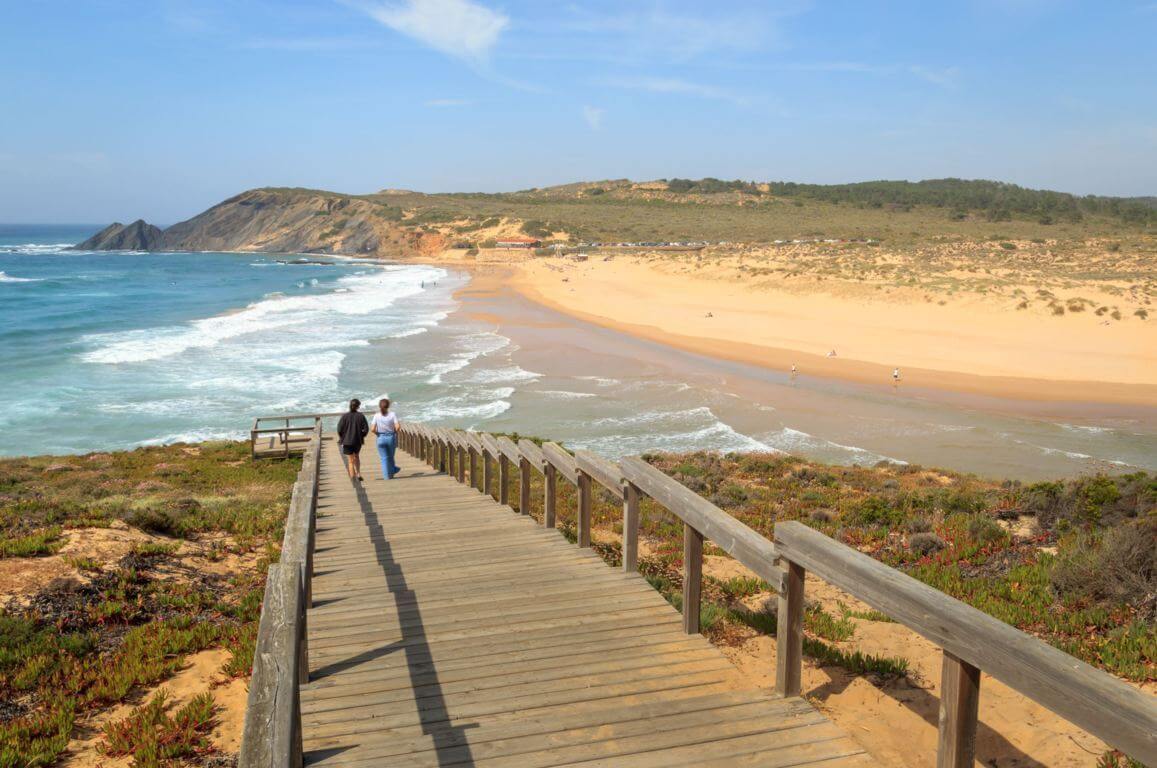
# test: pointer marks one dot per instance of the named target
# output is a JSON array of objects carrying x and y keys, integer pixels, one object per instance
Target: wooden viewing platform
[{"x": 422, "y": 622}]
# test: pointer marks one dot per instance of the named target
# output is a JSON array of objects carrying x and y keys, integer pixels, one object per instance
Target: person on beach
[
  {"x": 385, "y": 426},
  {"x": 895, "y": 376},
  {"x": 352, "y": 429}
]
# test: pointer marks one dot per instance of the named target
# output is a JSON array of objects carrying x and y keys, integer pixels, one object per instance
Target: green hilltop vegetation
[
  {"x": 897, "y": 213},
  {"x": 743, "y": 211}
]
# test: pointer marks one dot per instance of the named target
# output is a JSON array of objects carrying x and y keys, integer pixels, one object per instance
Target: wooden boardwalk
[{"x": 448, "y": 630}]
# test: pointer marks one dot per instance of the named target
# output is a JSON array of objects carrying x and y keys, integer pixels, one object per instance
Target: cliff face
[
  {"x": 271, "y": 221},
  {"x": 138, "y": 236}
]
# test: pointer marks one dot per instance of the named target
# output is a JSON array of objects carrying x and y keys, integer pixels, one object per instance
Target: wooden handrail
[
  {"x": 271, "y": 735},
  {"x": 730, "y": 535},
  {"x": 1110, "y": 709},
  {"x": 532, "y": 453},
  {"x": 562, "y": 461},
  {"x": 508, "y": 449},
  {"x": 605, "y": 473}
]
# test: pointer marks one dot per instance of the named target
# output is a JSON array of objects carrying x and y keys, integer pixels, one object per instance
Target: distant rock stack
[{"x": 138, "y": 236}]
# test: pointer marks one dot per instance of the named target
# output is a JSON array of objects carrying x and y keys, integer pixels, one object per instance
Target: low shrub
[
  {"x": 1118, "y": 567},
  {"x": 926, "y": 543}
]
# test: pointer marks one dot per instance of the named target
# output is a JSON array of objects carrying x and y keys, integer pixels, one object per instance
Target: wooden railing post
[
  {"x": 549, "y": 496},
  {"x": 584, "y": 509},
  {"x": 524, "y": 487},
  {"x": 789, "y": 632},
  {"x": 473, "y": 468},
  {"x": 487, "y": 473},
  {"x": 461, "y": 463},
  {"x": 630, "y": 528},
  {"x": 959, "y": 703},
  {"x": 692, "y": 578},
  {"x": 503, "y": 479}
]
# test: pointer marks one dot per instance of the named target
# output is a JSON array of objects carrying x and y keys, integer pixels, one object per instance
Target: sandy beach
[{"x": 971, "y": 344}]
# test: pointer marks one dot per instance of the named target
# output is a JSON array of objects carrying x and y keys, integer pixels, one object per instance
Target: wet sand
[{"x": 827, "y": 418}]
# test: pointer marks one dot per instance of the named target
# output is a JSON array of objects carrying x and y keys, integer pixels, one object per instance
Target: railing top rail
[
  {"x": 472, "y": 441},
  {"x": 532, "y": 453},
  {"x": 561, "y": 460},
  {"x": 298, "y": 416},
  {"x": 605, "y": 473},
  {"x": 1120, "y": 714},
  {"x": 730, "y": 535},
  {"x": 508, "y": 449},
  {"x": 490, "y": 444}
]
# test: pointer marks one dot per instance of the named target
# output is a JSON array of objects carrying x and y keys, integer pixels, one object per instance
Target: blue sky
[{"x": 118, "y": 109}]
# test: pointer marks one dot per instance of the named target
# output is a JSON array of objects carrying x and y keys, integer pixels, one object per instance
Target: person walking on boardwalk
[
  {"x": 385, "y": 426},
  {"x": 352, "y": 430}
]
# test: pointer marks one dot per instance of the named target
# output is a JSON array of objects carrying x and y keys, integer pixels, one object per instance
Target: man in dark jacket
[{"x": 352, "y": 429}]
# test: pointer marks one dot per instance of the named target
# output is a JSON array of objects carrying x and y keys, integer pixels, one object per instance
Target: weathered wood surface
[
  {"x": 1116, "y": 712},
  {"x": 561, "y": 461},
  {"x": 447, "y": 631},
  {"x": 727, "y": 533}
]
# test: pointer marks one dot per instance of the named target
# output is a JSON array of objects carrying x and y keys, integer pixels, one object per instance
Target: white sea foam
[
  {"x": 508, "y": 373},
  {"x": 194, "y": 436},
  {"x": 1086, "y": 429},
  {"x": 7, "y": 278},
  {"x": 367, "y": 294},
  {"x": 35, "y": 248},
  {"x": 790, "y": 440},
  {"x": 563, "y": 394}
]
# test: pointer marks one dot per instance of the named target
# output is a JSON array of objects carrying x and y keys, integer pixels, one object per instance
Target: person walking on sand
[
  {"x": 352, "y": 430},
  {"x": 895, "y": 376},
  {"x": 385, "y": 426}
]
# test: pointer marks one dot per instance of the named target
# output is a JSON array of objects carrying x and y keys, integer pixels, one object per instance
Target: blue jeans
[{"x": 387, "y": 444}]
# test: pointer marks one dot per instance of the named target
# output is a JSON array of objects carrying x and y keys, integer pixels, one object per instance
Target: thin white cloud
[
  {"x": 673, "y": 85},
  {"x": 945, "y": 78},
  {"x": 463, "y": 29},
  {"x": 447, "y": 103},
  {"x": 593, "y": 117}
]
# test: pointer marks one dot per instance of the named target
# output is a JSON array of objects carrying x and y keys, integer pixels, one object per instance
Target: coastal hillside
[
  {"x": 396, "y": 223},
  {"x": 269, "y": 220}
]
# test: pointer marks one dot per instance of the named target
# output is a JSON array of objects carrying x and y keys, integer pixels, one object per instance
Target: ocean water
[{"x": 117, "y": 350}]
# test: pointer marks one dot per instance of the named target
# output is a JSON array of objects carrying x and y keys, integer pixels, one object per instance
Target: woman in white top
[{"x": 385, "y": 426}]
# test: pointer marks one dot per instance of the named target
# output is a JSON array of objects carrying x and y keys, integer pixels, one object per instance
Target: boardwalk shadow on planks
[{"x": 450, "y": 742}]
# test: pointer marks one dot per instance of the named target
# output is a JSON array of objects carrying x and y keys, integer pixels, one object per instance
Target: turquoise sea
[{"x": 114, "y": 350}]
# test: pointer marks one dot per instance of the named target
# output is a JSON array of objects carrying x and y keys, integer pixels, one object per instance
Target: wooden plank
[
  {"x": 562, "y": 461},
  {"x": 532, "y": 453},
  {"x": 692, "y": 578},
  {"x": 730, "y": 535},
  {"x": 603, "y": 472},
  {"x": 508, "y": 449},
  {"x": 411, "y": 669},
  {"x": 490, "y": 444},
  {"x": 959, "y": 708},
  {"x": 499, "y": 738},
  {"x": 789, "y": 633},
  {"x": 1121, "y": 715},
  {"x": 600, "y": 742}
]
